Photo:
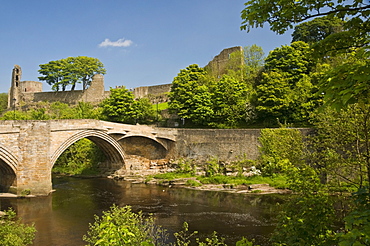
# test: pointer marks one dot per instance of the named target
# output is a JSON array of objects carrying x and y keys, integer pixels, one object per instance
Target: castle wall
[
  {"x": 30, "y": 86},
  {"x": 31, "y": 91},
  {"x": 154, "y": 90},
  {"x": 218, "y": 65}
]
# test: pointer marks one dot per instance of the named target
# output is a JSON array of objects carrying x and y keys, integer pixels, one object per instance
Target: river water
[{"x": 63, "y": 217}]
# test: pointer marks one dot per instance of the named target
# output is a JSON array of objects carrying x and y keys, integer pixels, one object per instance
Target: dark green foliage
[
  {"x": 120, "y": 226},
  {"x": 69, "y": 71},
  {"x": 280, "y": 149},
  {"x": 121, "y": 107},
  {"x": 13, "y": 232},
  {"x": 341, "y": 146},
  {"x": 317, "y": 29},
  {"x": 285, "y": 93},
  {"x": 3, "y": 101},
  {"x": 82, "y": 157},
  {"x": 357, "y": 222},
  {"x": 229, "y": 103},
  {"x": 190, "y": 98},
  {"x": 347, "y": 83},
  {"x": 306, "y": 220}
]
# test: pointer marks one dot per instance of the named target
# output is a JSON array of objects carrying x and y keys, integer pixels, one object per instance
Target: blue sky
[{"x": 140, "y": 42}]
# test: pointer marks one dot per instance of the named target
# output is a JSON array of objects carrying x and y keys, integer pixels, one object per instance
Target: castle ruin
[{"x": 25, "y": 92}]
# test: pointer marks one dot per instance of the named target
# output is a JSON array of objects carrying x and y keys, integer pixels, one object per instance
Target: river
[{"x": 63, "y": 217}]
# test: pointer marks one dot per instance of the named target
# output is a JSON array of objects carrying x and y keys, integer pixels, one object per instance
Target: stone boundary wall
[{"x": 225, "y": 144}]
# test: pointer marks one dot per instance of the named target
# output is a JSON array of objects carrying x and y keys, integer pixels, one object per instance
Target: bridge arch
[
  {"x": 109, "y": 146},
  {"x": 8, "y": 169},
  {"x": 144, "y": 146}
]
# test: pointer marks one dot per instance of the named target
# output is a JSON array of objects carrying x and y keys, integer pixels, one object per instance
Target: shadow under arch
[
  {"x": 106, "y": 143},
  {"x": 143, "y": 146},
  {"x": 8, "y": 169}
]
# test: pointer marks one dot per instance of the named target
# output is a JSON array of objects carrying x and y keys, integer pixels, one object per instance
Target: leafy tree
[
  {"x": 341, "y": 145},
  {"x": 120, "y": 226},
  {"x": 252, "y": 58},
  {"x": 15, "y": 233},
  {"x": 3, "y": 101},
  {"x": 58, "y": 110},
  {"x": 70, "y": 71},
  {"x": 229, "y": 102},
  {"x": 279, "y": 149},
  {"x": 122, "y": 107},
  {"x": 283, "y": 14},
  {"x": 348, "y": 81},
  {"x": 357, "y": 226},
  {"x": 190, "y": 97},
  {"x": 145, "y": 112},
  {"x": 285, "y": 90},
  {"x": 85, "y": 110},
  {"x": 317, "y": 29}
]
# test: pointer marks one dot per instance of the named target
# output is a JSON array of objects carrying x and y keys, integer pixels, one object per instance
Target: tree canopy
[
  {"x": 348, "y": 82},
  {"x": 316, "y": 30},
  {"x": 121, "y": 106},
  {"x": 70, "y": 71},
  {"x": 285, "y": 90}
]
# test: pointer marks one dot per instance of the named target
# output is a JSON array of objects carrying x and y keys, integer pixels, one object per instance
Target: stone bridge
[{"x": 29, "y": 149}]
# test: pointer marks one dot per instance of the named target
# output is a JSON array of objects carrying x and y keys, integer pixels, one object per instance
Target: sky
[{"x": 140, "y": 42}]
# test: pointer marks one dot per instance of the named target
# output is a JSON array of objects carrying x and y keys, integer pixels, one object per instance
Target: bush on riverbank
[
  {"x": 13, "y": 232},
  {"x": 121, "y": 226}
]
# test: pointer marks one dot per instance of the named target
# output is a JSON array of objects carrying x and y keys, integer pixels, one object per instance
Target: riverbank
[{"x": 195, "y": 184}]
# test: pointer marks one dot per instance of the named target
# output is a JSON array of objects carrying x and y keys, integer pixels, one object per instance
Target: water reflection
[{"x": 63, "y": 217}]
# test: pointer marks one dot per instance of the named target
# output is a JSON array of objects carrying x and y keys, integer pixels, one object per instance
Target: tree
[
  {"x": 229, "y": 102},
  {"x": 342, "y": 145},
  {"x": 283, "y": 14},
  {"x": 285, "y": 91},
  {"x": 190, "y": 97},
  {"x": 317, "y": 29},
  {"x": 348, "y": 81},
  {"x": 121, "y": 106},
  {"x": 252, "y": 58},
  {"x": 70, "y": 71},
  {"x": 3, "y": 101}
]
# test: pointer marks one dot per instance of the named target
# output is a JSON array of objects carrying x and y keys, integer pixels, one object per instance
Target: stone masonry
[{"x": 29, "y": 149}]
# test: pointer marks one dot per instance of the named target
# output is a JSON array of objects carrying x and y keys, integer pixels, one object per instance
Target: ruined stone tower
[
  {"x": 218, "y": 66},
  {"x": 13, "y": 95}
]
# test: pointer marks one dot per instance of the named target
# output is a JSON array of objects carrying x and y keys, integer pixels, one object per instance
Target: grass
[
  {"x": 173, "y": 175},
  {"x": 161, "y": 106},
  {"x": 278, "y": 181}
]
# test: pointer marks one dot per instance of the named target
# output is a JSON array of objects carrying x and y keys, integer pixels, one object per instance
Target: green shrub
[
  {"x": 13, "y": 232},
  {"x": 120, "y": 226},
  {"x": 279, "y": 149},
  {"x": 186, "y": 166}
]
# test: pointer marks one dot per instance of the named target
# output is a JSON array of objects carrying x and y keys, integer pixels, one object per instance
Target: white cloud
[{"x": 119, "y": 43}]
